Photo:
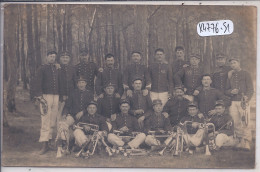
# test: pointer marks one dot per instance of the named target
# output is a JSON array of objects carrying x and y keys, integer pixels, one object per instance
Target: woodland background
[{"x": 31, "y": 30}]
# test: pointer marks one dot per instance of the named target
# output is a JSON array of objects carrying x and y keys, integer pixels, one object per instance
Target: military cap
[
  {"x": 220, "y": 55},
  {"x": 137, "y": 78},
  {"x": 93, "y": 103},
  {"x": 179, "y": 87},
  {"x": 109, "y": 84},
  {"x": 157, "y": 101},
  {"x": 193, "y": 104},
  {"x": 179, "y": 48},
  {"x": 51, "y": 52},
  {"x": 81, "y": 78},
  {"x": 219, "y": 103},
  {"x": 83, "y": 52},
  {"x": 65, "y": 53},
  {"x": 123, "y": 101},
  {"x": 234, "y": 58},
  {"x": 195, "y": 55}
]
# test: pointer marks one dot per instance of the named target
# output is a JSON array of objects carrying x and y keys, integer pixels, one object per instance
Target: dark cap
[
  {"x": 83, "y": 52},
  {"x": 234, "y": 58},
  {"x": 193, "y": 104},
  {"x": 109, "y": 84},
  {"x": 220, "y": 55},
  {"x": 157, "y": 101},
  {"x": 92, "y": 103},
  {"x": 65, "y": 53},
  {"x": 136, "y": 78},
  {"x": 123, "y": 101},
  {"x": 81, "y": 78},
  {"x": 195, "y": 55},
  {"x": 219, "y": 103},
  {"x": 179, "y": 48},
  {"x": 179, "y": 87},
  {"x": 51, "y": 52}
]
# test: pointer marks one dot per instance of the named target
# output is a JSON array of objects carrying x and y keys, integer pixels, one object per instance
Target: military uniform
[
  {"x": 77, "y": 101},
  {"x": 109, "y": 75},
  {"x": 88, "y": 71},
  {"x": 207, "y": 99},
  {"x": 190, "y": 77},
  {"x": 47, "y": 85},
  {"x": 176, "y": 109},
  {"x": 131, "y": 123},
  {"x": 82, "y": 137},
  {"x": 242, "y": 81},
  {"x": 136, "y": 70},
  {"x": 219, "y": 78},
  {"x": 161, "y": 81},
  {"x": 108, "y": 105},
  {"x": 139, "y": 101},
  {"x": 178, "y": 65},
  {"x": 156, "y": 122}
]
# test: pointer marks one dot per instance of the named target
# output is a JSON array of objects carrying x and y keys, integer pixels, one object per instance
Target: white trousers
[
  {"x": 240, "y": 129},
  {"x": 162, "y": 96},
  {"x": 194, "y": 139},
  {"x": 117, "y": 141},
  {"x": 49, "y": 121},
  {"x": 225, "y": 140},
  {"x": 151, "y": 140}
]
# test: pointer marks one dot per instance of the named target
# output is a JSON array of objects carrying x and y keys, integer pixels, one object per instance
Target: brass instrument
[
  {"x": 179, "y": 142},
  {"x": 244, "y": 105},
  {"x": 43, "y": 105}
]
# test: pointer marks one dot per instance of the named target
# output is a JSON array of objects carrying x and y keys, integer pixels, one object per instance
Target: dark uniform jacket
[
  {"x": 47, "y": 80},
  {"x": 219, "y": 78},
  {"x": 177, "y": 65},
  {"x": 88, "y": 71},
  {"x": 136, "y": 70},
  {"x": 156, "y": 122},
  {"x": 190, "y": 77},
  {"x": 138, "y": 101},
  {"x": 207, "y": 98},
  {"x": 67, "y": 80},
  {"x": 108, "y": 105},
  {"x": 195, "y": 118},
  {"x": 77, "y": 101},
  {"x": 240, "y": 80},
  {"x": 223, "y": 123},
  {"x": 94, "y": 119},
  {"x": 125, "y": 120},
  {"x": 161, "y": 78},
  {"x": 176, "y": 109},
  {"x": 109, "y": 75}
]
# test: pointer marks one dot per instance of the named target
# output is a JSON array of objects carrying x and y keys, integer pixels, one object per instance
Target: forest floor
[{"x": 20, "y": 147}]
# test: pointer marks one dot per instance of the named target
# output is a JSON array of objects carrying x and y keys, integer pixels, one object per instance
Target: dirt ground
[{"x": 20, "y": 147}]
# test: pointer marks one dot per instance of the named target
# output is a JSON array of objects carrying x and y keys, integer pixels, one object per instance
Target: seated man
[
  {"x": 108, "y": 105},
  {"x": 157, "y": 123},
  {"x": 192, "y": 128},
  {"x": 83, "y": 135},
  {"x": 125, "y": 124},
  {"x": 224, "y": 128},
  {"x": 73, "y": 110},
  {"x": 140, "y": 104}
]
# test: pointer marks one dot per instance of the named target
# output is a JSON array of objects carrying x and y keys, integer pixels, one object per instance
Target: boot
[
  {"x": 51, "y": 145},
  {"x": 44, "y": 149}
]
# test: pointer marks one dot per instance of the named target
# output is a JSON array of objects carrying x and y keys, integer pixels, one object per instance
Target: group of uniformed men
[{"x": 159, "y": 98}]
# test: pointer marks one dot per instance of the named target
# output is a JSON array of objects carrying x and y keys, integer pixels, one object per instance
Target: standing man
[
  {"x": 207, "y": 97},
  {"x": 136, "y": 69},
  {"x": 239, "y": 85},
  {"x": 190, "y": 76},
  {"x": 220, "y": 75},
  {"x": 87, "y": 69},
  {"x": 160, "y": 77},
  {"x": 140, "y": 104},
  {"x": 179, "y": 63},
  {"x": 109, "y": 75},
  {"x": 176, "y": 106},
  {"x": 126, "y": 124},
  {"x": 47, "y": 87}
]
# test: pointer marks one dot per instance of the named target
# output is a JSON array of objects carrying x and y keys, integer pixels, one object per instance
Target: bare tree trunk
[
  {"x": 36, "y": 38},
  {"x": 58, "y": 23},
  {"x": 69, "y": 31},
  {"x": 64, "y": 41}
]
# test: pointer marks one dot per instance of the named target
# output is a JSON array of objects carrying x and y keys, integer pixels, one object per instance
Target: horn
[
  {"x": 207, "y": 150},
  {"x": 162, "y": 151},
  {"x": 59, "y": 154}
]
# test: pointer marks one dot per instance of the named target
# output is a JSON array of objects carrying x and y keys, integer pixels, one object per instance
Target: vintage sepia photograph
[{"x": 129, "y": 86}]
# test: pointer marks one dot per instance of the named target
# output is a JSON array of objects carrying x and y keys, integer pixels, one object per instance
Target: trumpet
[
  {"x": 179, "y": 142},
  {"x": 244, "y": 105}
]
